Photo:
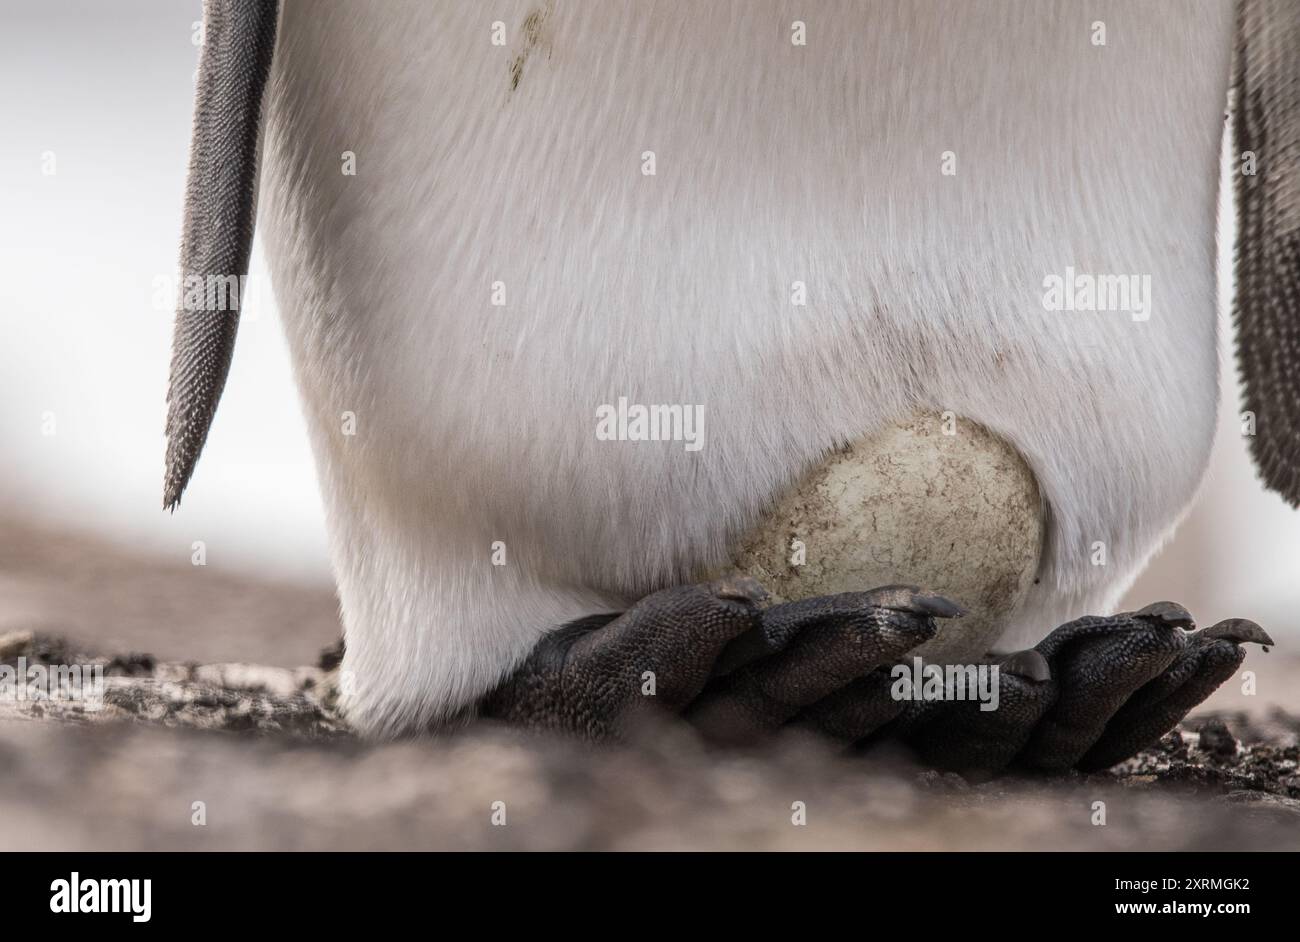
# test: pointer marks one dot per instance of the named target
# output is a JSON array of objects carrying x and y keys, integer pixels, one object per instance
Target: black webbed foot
[
  {"x": 807, "y": 651},
  {"x": 1115, "y": 685},
  {"x": 1210, "y": 657},
  {"x": 1092, "y": 693},
  {"x": 591, "y": 677},
  {"x": 709, "y": 651}
]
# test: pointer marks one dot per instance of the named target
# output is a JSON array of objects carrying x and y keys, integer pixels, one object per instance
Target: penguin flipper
[
  {"x": 1266, "y": 145},
  {"x": 220, "y": 209}
]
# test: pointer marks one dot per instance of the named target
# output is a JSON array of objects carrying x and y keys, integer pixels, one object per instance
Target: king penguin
[{"x": 936, "y": 279}]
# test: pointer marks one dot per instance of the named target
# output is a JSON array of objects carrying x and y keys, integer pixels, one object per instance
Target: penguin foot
[
  {"x": 592, "y": 677},
  {"x": 1092, "y": 693},
  {"x": 807, "y": 652},
  {"x": 710, "y": 652}
]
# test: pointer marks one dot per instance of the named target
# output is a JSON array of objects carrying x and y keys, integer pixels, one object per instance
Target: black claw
[
  {"x": 1171, "y": 613},
  {"x": 1237, "y": 630},
  {"x": 910, "y": 598},
  {"x": 1028, "y": 664},
  {"x": 740, "y": 589}
]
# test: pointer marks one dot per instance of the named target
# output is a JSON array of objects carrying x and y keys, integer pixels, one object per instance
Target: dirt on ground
[
  {"x": 195, "y": 748},
  {"x": 236, "y": 756}
]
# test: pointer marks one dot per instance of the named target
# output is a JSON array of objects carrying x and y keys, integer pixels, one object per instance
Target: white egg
[{"x": 944, "y": 505}]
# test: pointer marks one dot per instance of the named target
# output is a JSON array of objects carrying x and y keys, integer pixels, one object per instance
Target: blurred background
[{"x": 96, "y": 101}]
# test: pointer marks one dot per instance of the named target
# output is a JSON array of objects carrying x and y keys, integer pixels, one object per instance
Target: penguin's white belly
[{"x": 676, "y": 205}]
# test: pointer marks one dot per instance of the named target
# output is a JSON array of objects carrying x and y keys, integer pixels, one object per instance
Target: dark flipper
[
  {"x": 1266, "y": 123},
  {"x": 220, "y": 207}
]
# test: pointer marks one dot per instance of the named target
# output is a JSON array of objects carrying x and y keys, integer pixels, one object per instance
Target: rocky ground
[
  {"x": 238, "y": 756},
  {"x": 219, "y": 754}
]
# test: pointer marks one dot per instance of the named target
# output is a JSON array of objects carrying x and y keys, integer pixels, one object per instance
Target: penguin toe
[
  {"x": 593, "y": 677},
  {"x": 814, "y": 649},
  {"x": 982, "y": 736},
  {"x": 1212, "y": 656},
  {"x": 1094, "y": 692},
  {"x": 1097, "y": 664},
  {"x": 856, "y": 712}
]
